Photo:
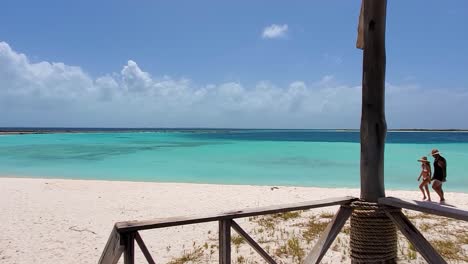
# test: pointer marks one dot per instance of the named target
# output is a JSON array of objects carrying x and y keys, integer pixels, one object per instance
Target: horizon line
[{"x": 29, "y": 128}]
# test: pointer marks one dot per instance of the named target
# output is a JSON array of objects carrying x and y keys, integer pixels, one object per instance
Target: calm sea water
[{"x": 260, "y": 157}]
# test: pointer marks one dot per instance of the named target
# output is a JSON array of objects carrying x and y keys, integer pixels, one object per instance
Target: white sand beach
[{"x": 69, "y": 221}]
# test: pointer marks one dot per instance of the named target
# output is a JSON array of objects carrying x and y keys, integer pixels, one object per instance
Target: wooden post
[
  {"x": 373, "y": 124},
  {"x": 114, "y": 248},
  {"x": 225, "y": 241},
  {"x": 129, "y": 253},
  {"x": 371, "y": 38}
]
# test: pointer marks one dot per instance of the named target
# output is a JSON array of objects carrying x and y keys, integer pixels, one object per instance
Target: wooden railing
[
  {"x": 425, "y": 207},
  {"x": 411, "y": 232},
  {"x": 123, "y": 236}
]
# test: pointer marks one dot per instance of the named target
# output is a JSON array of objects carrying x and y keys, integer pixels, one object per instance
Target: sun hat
[
  {"x": 435, "y": 152},
  {"x": 423, "y": 159}
]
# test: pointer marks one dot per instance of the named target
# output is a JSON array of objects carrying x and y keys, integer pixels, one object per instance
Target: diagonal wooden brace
[
  {"x": 253, "y": 244},
  {"x": 416, "y": 238},
  {"x": 329, "y": 235},
  {"x": 143, "y": 248}
]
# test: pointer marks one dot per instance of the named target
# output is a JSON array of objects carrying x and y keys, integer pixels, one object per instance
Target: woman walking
[{"x": 426, "y": 177}]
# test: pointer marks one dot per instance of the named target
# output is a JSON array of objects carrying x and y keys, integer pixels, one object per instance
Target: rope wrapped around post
[{"x": 373, "y": 234}]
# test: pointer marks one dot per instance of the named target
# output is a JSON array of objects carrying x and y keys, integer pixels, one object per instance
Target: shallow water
[{"x": 261, "y": 157}]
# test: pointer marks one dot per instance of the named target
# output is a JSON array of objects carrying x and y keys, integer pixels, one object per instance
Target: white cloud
[
  {"x": 275, "y": 31},
  {"x": 55, "y": 94}
]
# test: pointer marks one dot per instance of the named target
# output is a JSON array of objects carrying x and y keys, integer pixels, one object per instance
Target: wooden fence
[{"x": 123, "y": 236}]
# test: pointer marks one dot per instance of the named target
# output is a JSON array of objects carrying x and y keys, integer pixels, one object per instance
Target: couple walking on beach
[{"x": 438, "y": 178}]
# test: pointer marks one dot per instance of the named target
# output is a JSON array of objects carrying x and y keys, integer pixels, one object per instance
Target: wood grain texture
[
  {"x": 131, "y": 226},
  {"x": 360, "y": 36},
  {"x": 426, "y": 207},
  {"x": 113, "y": 249},
  {"x": 373, "y": 123},
  {"x": 129, "y": 252},
  {"x": 225, "y": 241}
]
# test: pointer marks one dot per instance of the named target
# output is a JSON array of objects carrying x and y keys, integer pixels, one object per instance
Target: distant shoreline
[{"x": 26, "y": 131}]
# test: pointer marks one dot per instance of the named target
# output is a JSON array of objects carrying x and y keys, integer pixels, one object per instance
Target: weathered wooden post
[
  {"x": 373, "y": 235},
  {"x": 225, "y": 241},
  {"x": 373, "y": 124}
]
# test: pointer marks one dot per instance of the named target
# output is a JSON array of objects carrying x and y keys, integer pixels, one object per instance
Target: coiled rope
[{"x": 373, "y": 234}]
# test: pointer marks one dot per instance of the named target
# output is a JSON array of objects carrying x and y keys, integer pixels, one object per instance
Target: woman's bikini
[{"x": 426, "y": 175}]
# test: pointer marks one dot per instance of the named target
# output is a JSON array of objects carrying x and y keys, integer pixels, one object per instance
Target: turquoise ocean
[{"x": 323, "y": 158}]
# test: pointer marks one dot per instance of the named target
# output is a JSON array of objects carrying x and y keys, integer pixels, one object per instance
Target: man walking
[{"x": 440, "y": 173}]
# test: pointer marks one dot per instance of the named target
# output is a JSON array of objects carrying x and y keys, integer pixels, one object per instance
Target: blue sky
[{"x": 209, "y": 63}]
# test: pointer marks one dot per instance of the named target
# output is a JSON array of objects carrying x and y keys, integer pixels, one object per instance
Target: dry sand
[{"x": 69, "y": 221}]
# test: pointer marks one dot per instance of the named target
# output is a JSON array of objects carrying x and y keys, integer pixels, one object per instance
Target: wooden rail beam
[
  {"x": 132, "y": 226},
  {"x": 426, "y": 207},
  {"x": 124, "y": 234}
]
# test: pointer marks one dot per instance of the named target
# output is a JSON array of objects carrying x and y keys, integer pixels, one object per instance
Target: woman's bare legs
[
  {"x": 421, "y": 187},
  {"x": 427, "y": 190}
]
